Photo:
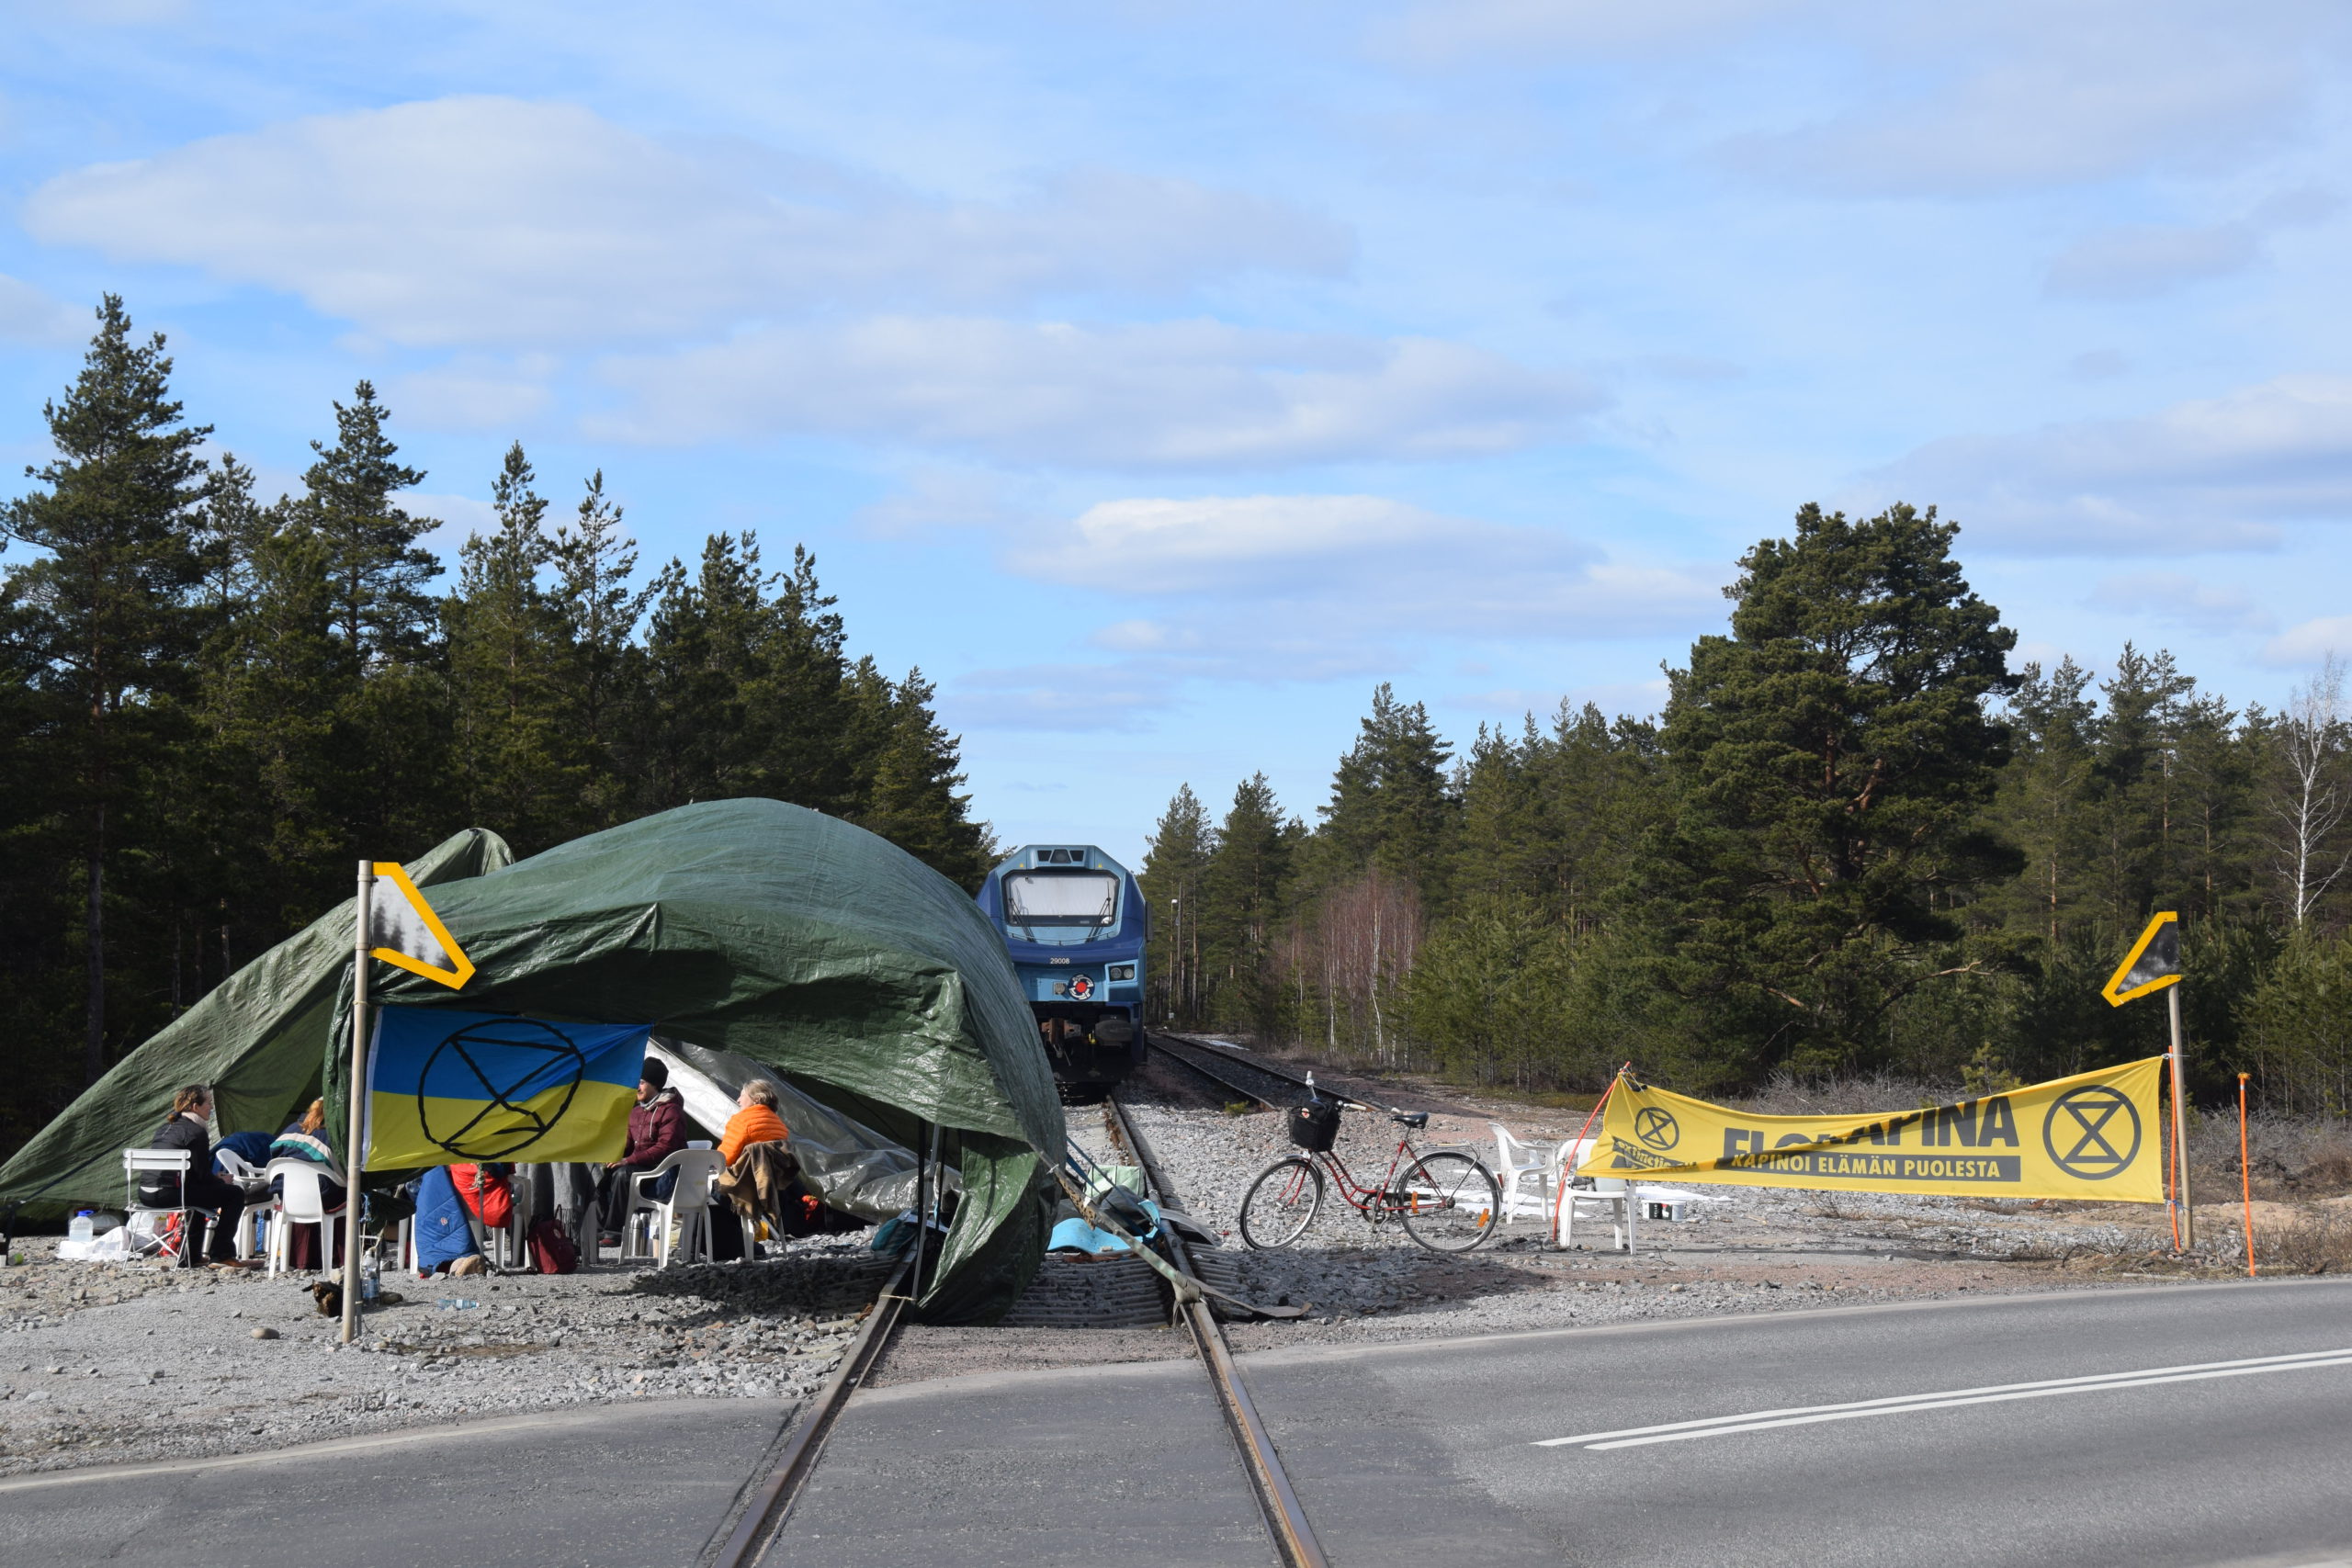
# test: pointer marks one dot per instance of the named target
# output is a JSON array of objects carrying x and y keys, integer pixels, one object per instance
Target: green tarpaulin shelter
[{"x": 749, "y": 926}]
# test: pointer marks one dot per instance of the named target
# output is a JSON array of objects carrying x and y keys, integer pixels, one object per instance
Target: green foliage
[
  {"x": 2299, "y": 1026},
  {"x": 211, "y": 705},
  {"x": 1830, "y": 759},
  {"x": 1175, "y": 858},
  {"x": 1855, "y": 841}
]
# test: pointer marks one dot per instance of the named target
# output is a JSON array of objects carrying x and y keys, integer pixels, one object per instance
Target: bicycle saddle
[{"x": 1414, "y": 1119}]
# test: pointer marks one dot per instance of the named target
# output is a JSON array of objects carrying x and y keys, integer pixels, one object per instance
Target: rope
[{"x": 1560, "y": 1199}]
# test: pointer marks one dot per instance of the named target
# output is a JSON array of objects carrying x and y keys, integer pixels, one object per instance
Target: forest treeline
[
  {"x": 212, "y": 705},
  {"x": 1856, "y": 839}
]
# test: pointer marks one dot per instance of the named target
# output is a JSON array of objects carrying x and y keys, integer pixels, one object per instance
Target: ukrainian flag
[{"x": 449, "y": 1087}]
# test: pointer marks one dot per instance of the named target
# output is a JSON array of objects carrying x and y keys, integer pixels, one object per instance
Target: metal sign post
[
  {"x": 355, "y": 1156},
  {"x": 2180, "y": 1125}
]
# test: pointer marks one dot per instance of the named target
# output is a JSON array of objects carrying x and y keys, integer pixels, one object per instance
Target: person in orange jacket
[{"x": 755, "y": 1122}]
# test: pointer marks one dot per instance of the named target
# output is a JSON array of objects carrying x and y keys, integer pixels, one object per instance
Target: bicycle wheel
[
  {"x": 1281, "y": 1203},
  {"x": 1448, "y": 1202}
]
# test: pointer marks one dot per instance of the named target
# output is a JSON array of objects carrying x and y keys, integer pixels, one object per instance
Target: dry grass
[
  {"x": 2291, "y": 1156},
  {"x": 2320, "y": 1243}
]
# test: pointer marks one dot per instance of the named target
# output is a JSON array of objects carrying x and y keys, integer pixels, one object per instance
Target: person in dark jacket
[
  {"x": 184, "y": 1129},
  {"x": 657, "y": 1128}
]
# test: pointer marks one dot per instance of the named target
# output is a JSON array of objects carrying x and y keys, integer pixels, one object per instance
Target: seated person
[
  {"x": 250, "y": 1147},
  {"x": 184, "y": 1128},
  {"x": 444, "y": 1238},
  {"x": 657, "y": 1128},
  {"x": 305, "y": 1138},
  {"x": 755, "y": 1122}
]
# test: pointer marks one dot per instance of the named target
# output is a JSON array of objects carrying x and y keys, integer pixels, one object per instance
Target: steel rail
[
  {"x": 1191, "y": 1056},
  {"x": 772, "y": 1499},
  {"x": 1286, "y": 1522}
]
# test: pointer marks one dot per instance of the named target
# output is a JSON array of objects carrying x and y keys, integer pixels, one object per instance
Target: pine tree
[
  {"x": 1831, "y": 757},
  {"x": 595, "y": 565},
  {"x": 1174, "y": 859},
  {"x": 1390, "y": 807},
  {"x": 1242, "y": 900},
  {"x": 520, "y": 766},
  {"x": 908, "y": 794},
  {"x": 381, "y": 611},
  {"x": 106, "y": 614}
]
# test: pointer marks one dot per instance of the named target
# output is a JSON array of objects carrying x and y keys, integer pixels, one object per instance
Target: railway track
[
  {"x": 1286, "y": 1522},
  {"x": 767, "y": 1500},
  {"x": 1270, "y": 1087}
]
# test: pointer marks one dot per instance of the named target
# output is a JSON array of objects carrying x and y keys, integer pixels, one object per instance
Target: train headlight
[{"x": 1123, "y": 972}]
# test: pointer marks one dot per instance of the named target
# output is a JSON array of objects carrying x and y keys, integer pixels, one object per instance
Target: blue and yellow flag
[{"x": 448, "y": 1087}]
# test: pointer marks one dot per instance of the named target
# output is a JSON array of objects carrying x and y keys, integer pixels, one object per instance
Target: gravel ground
[{"x": 117, "y": 1362}]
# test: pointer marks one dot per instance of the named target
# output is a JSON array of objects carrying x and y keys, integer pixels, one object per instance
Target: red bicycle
[{"x": 1445, "y": 1199}]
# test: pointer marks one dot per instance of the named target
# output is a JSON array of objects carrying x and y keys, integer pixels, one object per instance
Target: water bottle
[
  {"x": 83, "y": 1228},
  {"x": 370, "y": 1280}
]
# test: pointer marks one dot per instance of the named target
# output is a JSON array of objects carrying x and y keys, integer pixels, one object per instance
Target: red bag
[
  {"x": 552, "y": 1251},
  {"x": 490, "y": 1199}
]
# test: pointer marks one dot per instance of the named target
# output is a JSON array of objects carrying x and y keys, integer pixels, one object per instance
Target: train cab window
[{"x": 1082, "y": 900}]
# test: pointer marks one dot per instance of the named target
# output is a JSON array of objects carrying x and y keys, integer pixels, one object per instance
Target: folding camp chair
[{"x": 171, "y": 1237}]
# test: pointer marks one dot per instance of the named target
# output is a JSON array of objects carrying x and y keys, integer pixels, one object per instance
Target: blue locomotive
[{"x": 1074, "y": 921}]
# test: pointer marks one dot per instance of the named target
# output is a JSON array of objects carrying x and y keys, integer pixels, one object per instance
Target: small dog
[{"x": 329, "y": 1297}]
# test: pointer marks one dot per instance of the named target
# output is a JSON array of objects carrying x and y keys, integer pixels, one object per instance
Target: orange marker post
[{"x": 2245, "y": 1178}]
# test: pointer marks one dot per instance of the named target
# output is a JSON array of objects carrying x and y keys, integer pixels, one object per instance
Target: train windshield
[{"x": 1050, "y": 898}]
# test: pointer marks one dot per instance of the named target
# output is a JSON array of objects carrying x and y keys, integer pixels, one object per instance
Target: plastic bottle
[
  {"x": 455, "y": 1304},
  {"x": 370, "y": 1280},
  {"x": 83, "y": 1228}
]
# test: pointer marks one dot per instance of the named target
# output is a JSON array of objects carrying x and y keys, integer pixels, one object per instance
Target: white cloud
[
  {"x": 2210, "y": 474},
  {"x": 2178, "y": 599},
  {"x": 1451, "y": 30},
  {"x": 2310, "y": 642},
  {"x": 1071, "y": 698},
  {"x": 30, "y": 315},
  {"x": 1311, "y": 587},
  {"x": 475, "y": 393},
  {"x": 488, "y": 221},
  {"x": 1175, "y": 394},
  {"x": 2139, "y": 261}
]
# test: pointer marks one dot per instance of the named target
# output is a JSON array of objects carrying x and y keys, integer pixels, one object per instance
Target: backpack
[{"x": 552, "y": 1251}]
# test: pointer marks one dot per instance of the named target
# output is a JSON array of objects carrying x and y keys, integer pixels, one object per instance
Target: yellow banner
[{"x": 2093, "y": 1135}]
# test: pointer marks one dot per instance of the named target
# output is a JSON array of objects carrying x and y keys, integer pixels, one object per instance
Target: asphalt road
[
  {"x": 2202, "y": 1424},
  {"x": 1385, "y": 1444},
  {"x": 628, "y": 1486}
]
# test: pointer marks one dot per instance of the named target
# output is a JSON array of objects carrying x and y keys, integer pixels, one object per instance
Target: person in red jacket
[{"x": 657, "y": 1128}]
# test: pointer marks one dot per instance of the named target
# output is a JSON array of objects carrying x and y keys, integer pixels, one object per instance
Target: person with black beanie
[{"x": 657, "y": 1128}]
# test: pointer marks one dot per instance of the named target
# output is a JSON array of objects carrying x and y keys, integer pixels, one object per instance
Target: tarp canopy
[
  {"x": 258, "y": 1038},
  {"x": 849, "y": 1166},
  {"x": 749, "y": 927}
]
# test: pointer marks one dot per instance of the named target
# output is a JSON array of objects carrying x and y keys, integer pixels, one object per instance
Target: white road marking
[{"x": 1904, "y": 1403}]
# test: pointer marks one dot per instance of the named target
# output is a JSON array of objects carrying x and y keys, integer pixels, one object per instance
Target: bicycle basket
[{"x": 1315, "y": 1127}]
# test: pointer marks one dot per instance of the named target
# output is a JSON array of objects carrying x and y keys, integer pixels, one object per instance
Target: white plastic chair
[
  {"x": 1515, "y": 1162},
  {"x": 1610, "y": 1192},
  {"x": 151, "y": 1163},
  {"x": 302, "y": 1201},
  {"x": 684, "y": 1220},
  {"x": 235, "y": 1169}
]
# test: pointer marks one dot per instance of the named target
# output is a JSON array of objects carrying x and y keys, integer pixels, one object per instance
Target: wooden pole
[
  {"x": 2180, "y": 1122},
  {"x": 355, "y": 1156},
  {"x": 2245, "y": 1178}
]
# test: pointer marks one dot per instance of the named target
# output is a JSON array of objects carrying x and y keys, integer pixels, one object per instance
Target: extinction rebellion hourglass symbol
[{"x": 525, "y": 1060}]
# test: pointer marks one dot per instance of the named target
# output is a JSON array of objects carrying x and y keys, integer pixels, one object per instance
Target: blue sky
[{"x": 1160, "y": 380}]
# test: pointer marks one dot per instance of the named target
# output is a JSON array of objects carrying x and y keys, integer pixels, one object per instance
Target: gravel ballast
[{"x": 111, "y": 1362}]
